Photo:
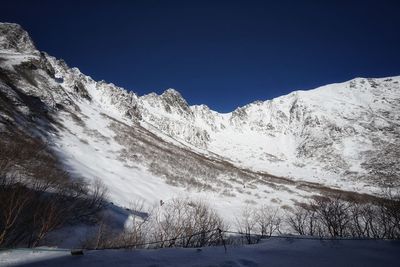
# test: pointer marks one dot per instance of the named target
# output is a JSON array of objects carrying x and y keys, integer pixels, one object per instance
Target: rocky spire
[
  {"x": 14, "y": 38},
  {"x": 173, "y": 98}
]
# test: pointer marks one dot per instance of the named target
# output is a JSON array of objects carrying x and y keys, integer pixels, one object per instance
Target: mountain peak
[
  {"x": 15, "y": 39},
  {"x": 171, "y": 92},
  {"x": 171, "y": 97},
  {"x": 342, "y": 135}
]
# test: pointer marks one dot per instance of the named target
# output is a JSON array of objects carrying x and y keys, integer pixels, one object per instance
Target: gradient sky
[{"x": 221, "y": 53}]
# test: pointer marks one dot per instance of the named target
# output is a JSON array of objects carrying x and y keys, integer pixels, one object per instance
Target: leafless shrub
[
  {"x": 303, "y": 221},
  {"x": 268, "y": 221},
  {"x": 138, "y": 205},
  {"x": 362, "y": 221},
  {"x": 185, "y": 223},
  {"x": 46, "y": 218},
  {"x": 246, "y": 225},
  {"x": 106, "y": 237},
  {"x": 14, "y": 201},
  {"x": 386, "y": 216},
  {"x": 256, "y": 223},
  {"x": 177, "y": 223},
  {"x": 334, "y": 217},
  {"x": 323, "y": 217},
  {"x": 37, "y": 196}
]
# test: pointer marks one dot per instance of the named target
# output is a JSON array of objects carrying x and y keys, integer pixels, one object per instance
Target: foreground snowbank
[{"x": 272, "y": 252}]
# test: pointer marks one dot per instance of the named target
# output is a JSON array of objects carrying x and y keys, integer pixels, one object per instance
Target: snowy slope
[
  {"x": 152, "y": 147},
  {"x": 326, "y": 135}
]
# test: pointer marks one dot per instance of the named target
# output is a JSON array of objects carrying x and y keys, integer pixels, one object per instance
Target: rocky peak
[
  {"x": 170, "y": 92},
  {"x": 15, "y": 39},
  {"x": 201, "y": 109},
  {"x": 240, "y": 112},
  {"x": 173, "y": 99},
  {"x": 173, "y": 96}
]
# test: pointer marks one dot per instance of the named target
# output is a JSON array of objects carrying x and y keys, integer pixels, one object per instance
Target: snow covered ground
[{"x": 272, "y": 252}]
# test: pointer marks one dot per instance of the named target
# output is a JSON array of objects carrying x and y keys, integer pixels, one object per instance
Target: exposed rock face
[
  {"x": 15, "y": 39},
  {"x": 174, "y": 102}
]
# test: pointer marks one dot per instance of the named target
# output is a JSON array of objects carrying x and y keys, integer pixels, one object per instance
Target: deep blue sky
[{"x": 221, "y": 53}]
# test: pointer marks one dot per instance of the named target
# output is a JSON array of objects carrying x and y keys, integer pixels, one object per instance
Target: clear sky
[{"x": 221, "y": 53}]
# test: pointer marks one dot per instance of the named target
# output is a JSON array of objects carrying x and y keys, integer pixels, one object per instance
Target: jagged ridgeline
[{"x": 340, "y": 138}]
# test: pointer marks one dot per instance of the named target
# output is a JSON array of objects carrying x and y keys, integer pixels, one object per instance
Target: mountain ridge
[{"x": 341, "y": 136}]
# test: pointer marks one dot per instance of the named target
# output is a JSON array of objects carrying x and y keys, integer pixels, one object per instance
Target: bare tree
[
  {"x": 335, "y": 217},
  {"x": 333, "y": 213},
  {"x": 246, "y": 225},
  {"x": 268, "y": 220},
  {"x": 14, "y": 201},
  {"x": 185, "y": 223},
  {"x": 178, "y": 223},
  {"x": 36, "y": 195}
]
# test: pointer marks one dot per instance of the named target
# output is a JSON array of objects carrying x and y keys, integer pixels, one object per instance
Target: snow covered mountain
[{"x": 341, "y": 137}]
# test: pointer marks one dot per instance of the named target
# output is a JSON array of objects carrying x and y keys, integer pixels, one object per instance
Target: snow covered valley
[{"x": 339, "y": 139}]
